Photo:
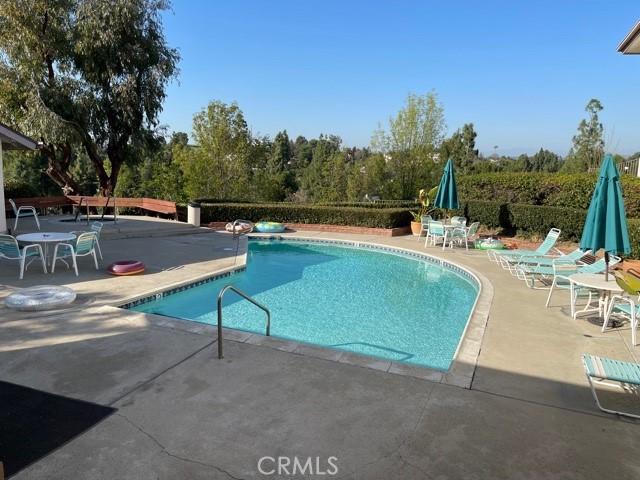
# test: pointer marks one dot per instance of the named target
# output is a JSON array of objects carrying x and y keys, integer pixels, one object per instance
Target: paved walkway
[{"x": 184, "y": 414}]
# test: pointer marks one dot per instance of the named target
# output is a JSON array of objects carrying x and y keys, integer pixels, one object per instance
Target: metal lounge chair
[
  {"x": 531, "y": 268},
  {"x": 85, "y": 245},
  {"x": 606, "y": 371},
  {"x": 10, "y": 249},
  {"x": 505, "y": 256},
  {"x": 23, "y": 211}
]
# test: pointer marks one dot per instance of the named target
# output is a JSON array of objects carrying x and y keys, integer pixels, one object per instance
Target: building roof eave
[
  {"x": 13, "y": 140},
  {"x": 631, "y": 43}
]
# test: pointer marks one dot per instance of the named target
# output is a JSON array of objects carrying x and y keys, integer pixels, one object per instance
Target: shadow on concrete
[
  {"x": 225, "y": 414},
  {"x": 35, "y": 423}
]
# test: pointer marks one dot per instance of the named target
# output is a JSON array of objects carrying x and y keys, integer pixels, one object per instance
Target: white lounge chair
[
  {"x": 606, "y": 371},
  {"x": 23, "y": 211},
  {"x": 531, "y": 268},
  {"x": 505, "y": 256},
  {"x": 10, "y": 249},
  {"x": 85, "y": 245}
]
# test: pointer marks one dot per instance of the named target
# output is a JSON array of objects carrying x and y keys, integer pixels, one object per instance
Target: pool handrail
[{"x": 246, "y": 297}]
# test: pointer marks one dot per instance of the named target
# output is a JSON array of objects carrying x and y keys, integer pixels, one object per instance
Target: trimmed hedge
[
  {"x": 550, "y": 189},
  {"x": 528, "y": 219},
  {"x": 538, "y": 219},
  {"x": 297, "y": 213},
  {"x": 411, "y": 204}
]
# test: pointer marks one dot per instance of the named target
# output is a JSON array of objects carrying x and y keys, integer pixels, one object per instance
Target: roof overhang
[
  {"x": 631, "y": 43},
  {"x": 12, "y": 140}
]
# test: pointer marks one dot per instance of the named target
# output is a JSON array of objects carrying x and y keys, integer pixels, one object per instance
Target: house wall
[{"x": 3, "y": 215}]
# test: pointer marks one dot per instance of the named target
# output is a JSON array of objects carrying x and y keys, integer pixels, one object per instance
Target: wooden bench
[
  {"x": 160, "y": 206},
  {"x": 164, "y": 207}
]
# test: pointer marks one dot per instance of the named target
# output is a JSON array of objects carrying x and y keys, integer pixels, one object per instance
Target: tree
[
  {"x": 280, "y": 158},
  {"x": 545, "y": 161},
  {"x": 461, "y": 148},
  {"x": 302, "y": 153},
  {"x": 588, "y": 144},
  {"x": 414, "y": 136},
  {"x": 84, "y": 76},
  {"x": 219, "y": 165}
]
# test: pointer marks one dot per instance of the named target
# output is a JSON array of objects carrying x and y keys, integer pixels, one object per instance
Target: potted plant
[{"x": 425, "y": 198}]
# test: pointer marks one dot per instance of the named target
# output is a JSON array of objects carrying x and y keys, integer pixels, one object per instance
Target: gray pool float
[{"x": 42, "y": 297}]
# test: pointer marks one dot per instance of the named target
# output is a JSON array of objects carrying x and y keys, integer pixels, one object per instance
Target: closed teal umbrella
[
  {"x": 606, "y": 223},
  {"x": 447, "y": 196}
]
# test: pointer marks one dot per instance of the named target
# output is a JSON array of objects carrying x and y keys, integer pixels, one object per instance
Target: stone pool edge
[{"x": 462, "y": 367}]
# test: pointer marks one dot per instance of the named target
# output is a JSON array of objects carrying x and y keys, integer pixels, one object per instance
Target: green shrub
[
  {"x": 296, "y": 213},
  {"x": 549, "y": 189},
  {"x": 634, "y": 237},
  {"x": 540, "y": 219},
  {"x": 489, "y": 214}
]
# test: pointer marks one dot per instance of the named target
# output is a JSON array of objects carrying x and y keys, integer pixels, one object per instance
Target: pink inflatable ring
[{"x": 126, "y": 267}]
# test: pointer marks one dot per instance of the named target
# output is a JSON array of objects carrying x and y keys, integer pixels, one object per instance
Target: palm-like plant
[{"x": 426, "y": 199}]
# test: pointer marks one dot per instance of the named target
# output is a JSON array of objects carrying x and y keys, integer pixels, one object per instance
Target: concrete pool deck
[{"x": 184, "y": 414}]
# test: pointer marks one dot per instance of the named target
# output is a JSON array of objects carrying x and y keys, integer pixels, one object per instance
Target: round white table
[
  {"x": 593, "y": 281},
  {"x": 45, "y": 238}
]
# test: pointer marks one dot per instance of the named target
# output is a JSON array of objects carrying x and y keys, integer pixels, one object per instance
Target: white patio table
[
  {"x": 594, "y": 281},
  {"x": 45, "y": 238}
]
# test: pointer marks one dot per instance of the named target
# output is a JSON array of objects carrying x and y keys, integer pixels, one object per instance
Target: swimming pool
[{"x": 362, "y": 300}]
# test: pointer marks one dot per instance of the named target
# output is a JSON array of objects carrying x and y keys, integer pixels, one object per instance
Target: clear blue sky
[{"x": 522, "y": 72}]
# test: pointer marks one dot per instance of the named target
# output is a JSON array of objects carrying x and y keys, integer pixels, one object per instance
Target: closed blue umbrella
[
  {"x": 606, "y": 223},
  {"x": 447, "y": 196}
]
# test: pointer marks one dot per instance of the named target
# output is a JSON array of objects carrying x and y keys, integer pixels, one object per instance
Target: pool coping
[{"x": 463, "y": 364}]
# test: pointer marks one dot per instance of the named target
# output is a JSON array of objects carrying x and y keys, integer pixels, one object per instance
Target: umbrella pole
[{"x": 606, "y": 270}]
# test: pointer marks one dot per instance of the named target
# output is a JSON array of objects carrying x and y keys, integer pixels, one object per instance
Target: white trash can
[{"x": 193, "y": 214}]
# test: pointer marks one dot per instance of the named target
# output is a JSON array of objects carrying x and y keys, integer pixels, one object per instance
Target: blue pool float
[{"x": 269, "y": 227}]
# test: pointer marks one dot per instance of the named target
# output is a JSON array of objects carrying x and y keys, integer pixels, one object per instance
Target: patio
[{"x": 184, "y": 414}]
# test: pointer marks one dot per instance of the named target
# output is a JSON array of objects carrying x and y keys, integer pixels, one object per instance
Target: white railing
[{"x": 630, "y": 167}]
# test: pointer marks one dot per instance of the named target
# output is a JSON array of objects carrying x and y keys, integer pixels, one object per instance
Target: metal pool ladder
[{"x": 246, "y": 297}]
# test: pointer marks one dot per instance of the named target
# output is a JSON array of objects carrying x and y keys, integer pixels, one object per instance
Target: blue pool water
[{"x": 360, "y": 300}]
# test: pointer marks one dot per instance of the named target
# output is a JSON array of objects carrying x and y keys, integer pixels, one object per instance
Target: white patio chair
[
  {"x": 23, "y": 211},
  {"x": 85, "y": 245},
  {"x": 627, "y": 304},
  {"x": 459, "y": 221},
  {"x": 437, "y": 232},
  {"x": 10, "y": 250},
  {"x": 464, "y": 234},
  {"x": 97, "y": 228},
  {"x": 424, "y": 227},
  {"x": 563, "y": 269}
]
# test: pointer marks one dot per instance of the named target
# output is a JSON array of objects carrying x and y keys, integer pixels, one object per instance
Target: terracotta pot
[{"x": 416, "y": 227}]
